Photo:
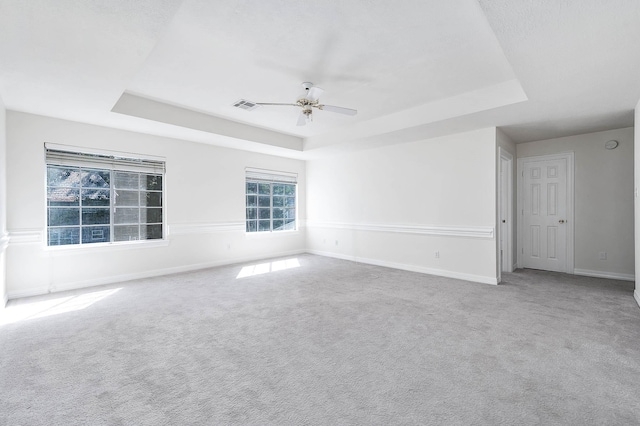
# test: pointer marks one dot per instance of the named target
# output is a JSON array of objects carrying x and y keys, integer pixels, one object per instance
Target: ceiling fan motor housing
[{"x": 306, "y": 104}]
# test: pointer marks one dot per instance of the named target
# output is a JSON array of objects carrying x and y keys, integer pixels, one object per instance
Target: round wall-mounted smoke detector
[{"x": 611, "y": 144}]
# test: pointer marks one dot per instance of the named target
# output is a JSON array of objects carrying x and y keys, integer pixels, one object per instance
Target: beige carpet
[{"x": 327, "y": 342}]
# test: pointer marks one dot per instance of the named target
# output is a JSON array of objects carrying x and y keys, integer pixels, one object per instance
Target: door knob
[
  {"x": 504, "y": 221},
  {"x": 561, "y": 221}
]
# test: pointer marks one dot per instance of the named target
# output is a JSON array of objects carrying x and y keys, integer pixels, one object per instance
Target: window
[
  {"x": 96, "y": 198},
  {"x": 271, "y": 201}
]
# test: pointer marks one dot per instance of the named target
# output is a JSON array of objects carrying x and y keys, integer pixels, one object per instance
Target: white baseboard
[
  {"x": 636, "y": 296},
  {"x": 600, "y": 274},
  {"x": 412, "y": 268},
  {"x": 38, "y": 291}
]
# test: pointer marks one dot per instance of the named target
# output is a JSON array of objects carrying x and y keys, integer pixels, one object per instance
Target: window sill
[
  {"x": 265, "y": 234},
  {"x": 125, "y": 245}
]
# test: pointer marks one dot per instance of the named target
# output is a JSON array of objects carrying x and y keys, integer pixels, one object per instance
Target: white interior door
[
  {"x": 504, "y": 244},
  {"x": 505, "y": 211},
  {"x": 545, "y": 214}
]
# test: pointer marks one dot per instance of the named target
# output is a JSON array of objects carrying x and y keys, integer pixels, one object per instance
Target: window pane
[
  {"x": 264, "y": 225},
  {"x": 290, "y": 226},
  {"x": 63, "y": 196},
  {"x": 63, "y": 216},
  {"x": 94, "y": 216},
  {"x": 275, "y": 201},
  {"x": 80, "y": 203},
  {"x": 151, "y": 232},
  {"x": 95, "y": 178},
  {"x": 63, "y": 176},
  {"x": 127, "y": 215},
  {"x": 95, "y": 234},
  {"x": 127, "y": 198},
  {"x": 96, "y": 197},
  {"x": 63, "y": 236},
  {"x": 151, "y": 199},
  {"x": 151, "y": 215},
  {"x": 278, "y": 189},
  {"x": 151, "y": 182},
  {"x": 290, "y": 190},
  {"x": 127, "y": 180},
  {"x": 126, "y": 232},
  {"x": 264, "y": 188}
]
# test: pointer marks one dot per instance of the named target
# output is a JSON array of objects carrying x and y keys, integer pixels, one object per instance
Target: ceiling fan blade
[
  {"x": 276, "y": 104},
  {"x": 313, "y": 94},
  {"x": 340, "y": 110},
  {"x": 302, "y": 119}
]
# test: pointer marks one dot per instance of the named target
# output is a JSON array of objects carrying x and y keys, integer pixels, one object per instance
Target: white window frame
[
  {"x": 105, "y": 160},
  {"x": 258, "y": 176}
]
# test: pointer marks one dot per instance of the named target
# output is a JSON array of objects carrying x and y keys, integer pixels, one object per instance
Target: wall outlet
[
  {"x": 336, "y": 242},
  {"x": 437, "y": 254},
  {"x": 603, "y": 255}
]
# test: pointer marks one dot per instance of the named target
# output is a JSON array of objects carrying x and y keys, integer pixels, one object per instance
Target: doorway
[
  {"x": 545, "y": 207},
  {"x": 505, "y": 213}
]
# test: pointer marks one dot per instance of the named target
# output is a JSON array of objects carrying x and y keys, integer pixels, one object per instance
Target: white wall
[
  {"x": 397, "y": 205},
  {"x": 205, "y": 209},
  {"x": 604, "y": 218},
  {"x": 3, "y": 205}
]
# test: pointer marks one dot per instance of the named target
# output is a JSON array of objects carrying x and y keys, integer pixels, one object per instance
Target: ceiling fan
[{"x": 309, "y": 101}]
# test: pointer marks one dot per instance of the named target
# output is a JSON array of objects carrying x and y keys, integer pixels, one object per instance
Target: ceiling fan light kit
[{"x": 307, "y": 103}]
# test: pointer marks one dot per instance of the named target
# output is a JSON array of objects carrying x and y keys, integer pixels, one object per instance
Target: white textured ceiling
[
  {"x": 413, "y": 69},
  {"x": 577, "y": 60}
]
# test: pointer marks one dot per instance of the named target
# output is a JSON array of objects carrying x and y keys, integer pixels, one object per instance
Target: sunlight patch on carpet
[
  {"x": 59, "y": 305},
  {"x": 265, "y": 268}
]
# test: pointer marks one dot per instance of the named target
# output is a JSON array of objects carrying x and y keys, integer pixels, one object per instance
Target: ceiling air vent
[{"x": 246, "y": 105}]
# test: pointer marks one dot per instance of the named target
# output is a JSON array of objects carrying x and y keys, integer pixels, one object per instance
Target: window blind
[
  {"x": 271, "y": 176},
  {"x": 60, "y": 157}
]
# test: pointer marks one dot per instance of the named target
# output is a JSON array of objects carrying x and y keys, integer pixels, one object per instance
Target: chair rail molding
[
  {"x": 4, "y": 242},
  {"x": 484, "y": 232},
  {"x": 26, "y": 236},
  {"x": 205, "y": 228}
]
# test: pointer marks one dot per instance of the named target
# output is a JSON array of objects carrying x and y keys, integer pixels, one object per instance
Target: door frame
[
  {"x": 569, "y": 158},
  {"x": 505, "y": 193}
]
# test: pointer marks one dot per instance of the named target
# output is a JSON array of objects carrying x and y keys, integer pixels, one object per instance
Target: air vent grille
[{"x": 246, "y": 105}]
